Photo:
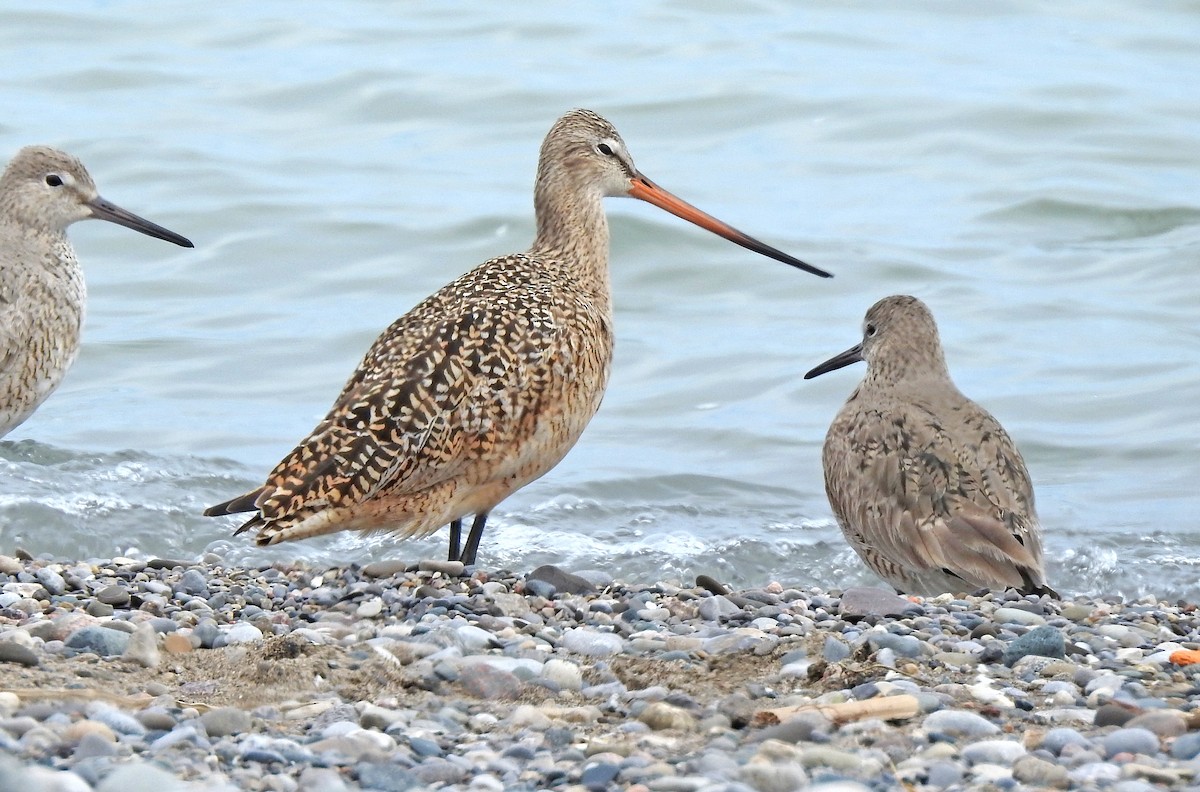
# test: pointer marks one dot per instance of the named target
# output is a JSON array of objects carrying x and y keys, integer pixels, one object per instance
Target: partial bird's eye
[
  {"x": 871, "y": 330},
  {"x": 54, "y": 180},
  {"x": 605, "y": 149}
]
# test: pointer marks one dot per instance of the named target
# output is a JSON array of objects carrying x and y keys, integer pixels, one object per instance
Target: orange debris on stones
[{"x": 1185, "y": 657}]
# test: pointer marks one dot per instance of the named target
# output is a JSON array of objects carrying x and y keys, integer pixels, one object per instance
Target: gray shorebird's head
[
  {"x": 47, "y": 189},
  {"x": 583, "y": 156},
  {"x": 900, "y": 341}
]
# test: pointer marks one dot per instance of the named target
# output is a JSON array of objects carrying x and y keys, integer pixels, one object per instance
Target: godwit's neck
[{"x": 572, "y": 228}]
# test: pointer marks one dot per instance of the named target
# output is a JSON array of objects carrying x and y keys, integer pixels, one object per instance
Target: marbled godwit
[
  {"x": 485, "y": 385},
  {"x": 927, "y": 486},
  {"x": 42, "y": 292}
]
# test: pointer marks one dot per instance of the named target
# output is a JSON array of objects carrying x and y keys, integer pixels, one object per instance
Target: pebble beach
[{"x": 132, "y": 674}]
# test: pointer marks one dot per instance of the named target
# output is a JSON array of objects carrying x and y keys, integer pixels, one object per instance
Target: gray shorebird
[
  {"x": 927, "y": 486},
  {"x": 485, "y": 385},
  {"x": 42, "y": 292}
]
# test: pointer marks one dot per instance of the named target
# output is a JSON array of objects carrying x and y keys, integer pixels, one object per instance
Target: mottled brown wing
[
  {"x": 919, "y": 502},
  {"x": 419, "y": 412}
]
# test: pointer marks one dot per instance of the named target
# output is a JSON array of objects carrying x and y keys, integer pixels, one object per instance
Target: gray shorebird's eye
[
  {"x": 54, "y": 180},
  {"x": 871, "y": 330},
  {"x": 605, "y": 149}
]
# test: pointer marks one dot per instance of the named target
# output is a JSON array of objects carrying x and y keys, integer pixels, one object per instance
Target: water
[{"x": 1032, "y": 176}]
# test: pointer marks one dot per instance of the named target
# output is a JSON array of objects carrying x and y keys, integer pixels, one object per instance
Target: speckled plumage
[
  {"x": 485, "y": 385},
  {"x": 928, "y": 488},
  {"x": 42, "y": 292}
]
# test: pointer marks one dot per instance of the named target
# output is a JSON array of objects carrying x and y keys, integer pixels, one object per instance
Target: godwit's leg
[
  {"x": 468, "y": 555},
  {"x": 455, "y": 535}
]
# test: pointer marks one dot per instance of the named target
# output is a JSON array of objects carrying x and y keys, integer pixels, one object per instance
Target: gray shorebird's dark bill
[
  {"x": 103, "y": 210},
  {"x": 851, "y": 355},
  {"x": 642, "y": 188}
]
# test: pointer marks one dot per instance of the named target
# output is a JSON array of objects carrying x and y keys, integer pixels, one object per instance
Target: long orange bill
[{"x": 642, "y": 188}]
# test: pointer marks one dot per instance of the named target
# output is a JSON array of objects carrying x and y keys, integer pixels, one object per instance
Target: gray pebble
[
  {"x": 1044, "y": 641},
  {"x": 51, "y": 581},
  {"x": 99, "y": 609},
  {"x": 592, "y": 643},
  {"x": 540, "y": 588},
  {"x": 447, "y": 568},
  {"x": 1186, "y": 746},
  {"x": 561, "y": 580},
  {"x": 1001, "y": 752},
  {"x": 596, "y": 777},
  {"x": 1056, "y": 739},
  {"x": 1039, "y": 773},
  {"x": 225, "y": 721},
  {"x": 99, "y": 640},
  {"x": 959, "y": 722},
  {"x": 1135, "y": 741},
  {"x": 385, "y": 777},
  {"x": 483, "y": 681},
  {"x": 942, "y": 774},
  {"x": 12, "y": 652},
  {"x": 193, "y": 582},
  {"x": 859, "y": 602},
  {"x": 717, "y": 607},
  {"x": 113, "y": 595},
  {"x": 834, "y": 650},
  {"x": 903, "y": 645},
  {"x": 141, "y": 777},
  {"x": 1163, "y": 722},
  {"x": 1112, "y": 715}
]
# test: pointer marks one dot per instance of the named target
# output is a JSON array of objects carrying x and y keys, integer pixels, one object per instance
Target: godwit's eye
[
  {"x": 605, "y": 149},
  {"x": 54, "y": 180}
]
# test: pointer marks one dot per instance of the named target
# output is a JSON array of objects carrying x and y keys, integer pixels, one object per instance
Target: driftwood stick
[
  {"x": 82, "y": 694},
  {"x": 886, "y": 707}
]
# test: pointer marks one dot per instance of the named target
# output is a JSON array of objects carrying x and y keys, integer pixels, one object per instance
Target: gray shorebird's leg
[
  {"x": 468, "y": 554},
  {"x": 455, "y": 535}
]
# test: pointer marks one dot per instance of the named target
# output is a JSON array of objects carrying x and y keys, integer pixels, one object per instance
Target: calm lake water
[{"x": 1033, "y": 176}]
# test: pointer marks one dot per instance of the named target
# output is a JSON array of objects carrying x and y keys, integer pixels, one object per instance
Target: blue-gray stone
[
  {"x": 858, "y": 602},
  {"x": 208, "y": 632},
  {"x": 597, "y": 777},
  {"x": 998, "y": 752},
  {"x": 193, "y": 582},
  {"x": 424, "y": 747},
  {"x": 959, "y": 722},
  {"x": 834, "y": 650},
  {"x": 118, "y": 721},
  {"x": 903, "y": 645},
  {"x": 12, "y": 652},
  {"x": 385, "y": 777},
  {"x": 263, "y": 756},
  {"x": 51, "y": 581},
  {"x": 717, "y": 607},
  {"x": 865, "y": 691},
  {"x": 225, "y": 721},
  {"x": 1043, "y": 641},
  {"x": 1056, "y": 739},
  {"x": 1186, "y": 746},
  {"x": 1135, "y": 741},
  {"x": 943, "y": 774},
  {"x": 561, "y": 580},
  {"x": 93, "y": 745},
  {"x": 438, "y": 772},
  {"x": 540, "y": 588},
  {"x": 100, "y": 640}
]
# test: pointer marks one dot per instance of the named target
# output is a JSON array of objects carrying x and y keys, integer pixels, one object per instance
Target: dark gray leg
[
  {"x": 455, "y": 535},
  {"x": 468, "y": 554}
]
